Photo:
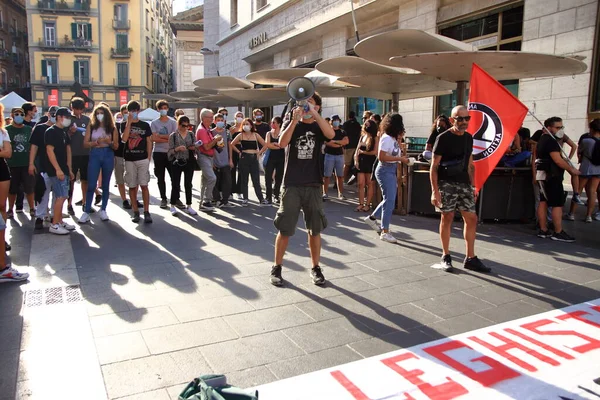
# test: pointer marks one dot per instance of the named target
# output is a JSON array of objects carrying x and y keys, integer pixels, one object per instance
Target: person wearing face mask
[
  {"x": 181, "y": 157},
  {"x": 20, "y": 135},
  {"x": 440, "y": 125},
  {"x": 261, "y": 127},
  {"x": 59, "y": 168},
  {"x": 162, "y": 128},
  {"x": 452, "y": 187},
  {"x": 550, "y": 167},
  {"x": 275, "y": 163},
  {"x": 303, "y": 135},
  {"x": 119, "y": 169},
  {"x": 224, "y": 113},
  {"x": 334, "y": 158},
  {"x": 37, "y": 168},
  {"x": 251, "y": 143},
  {"x": 207, "y": 144},
  {"x": 102, "y": 138},
  {"x": 81, "y": 154},
  {"x": 234, "y": 131},
  {"x": 223, "y": 164}
]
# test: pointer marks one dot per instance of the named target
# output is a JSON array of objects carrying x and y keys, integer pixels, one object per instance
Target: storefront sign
[
  {"x": 53, "y": 98},
  {"x": 554, "y": 355},
  {"x": 123, "y": 97},
  {"x": 258, "y": 40}
]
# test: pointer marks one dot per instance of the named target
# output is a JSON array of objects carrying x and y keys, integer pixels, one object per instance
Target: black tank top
[{"x": 249, "y": 144}]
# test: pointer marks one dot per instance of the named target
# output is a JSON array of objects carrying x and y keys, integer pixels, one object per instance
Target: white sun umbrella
[
  {"x": 222, "y": 83},
  {"x": 192, "y": 94},
  {"x": 10, "y": 101},
  {"x": 277, "y": 77},
  {"x": 158, "y": 96},
  {"x": 148, "y": 115},
  {"x": 380, "y": 48},
  {"x": 186, "y": 104},
  {"x": 372, "y": 76}
]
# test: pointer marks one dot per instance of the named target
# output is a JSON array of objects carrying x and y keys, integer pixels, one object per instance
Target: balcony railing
[
  {"x": 5, "y": 55},
  {"x": 77, "y": 45},
  {"x": 64, "y": 81},
  {"x": 52, "y": 6},
  {"x": 120, "y": 24},
  {"x": 120, "y": 52},
  {"x": 122, "y": 82}
]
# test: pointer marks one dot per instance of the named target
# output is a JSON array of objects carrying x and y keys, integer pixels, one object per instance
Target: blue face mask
[
  {"x": 18, "y": 120},
  {"x": 307, "y": 116},
  {"x": 163, "y": 113},
  {"x": 134, "y": 115},
  {"x": 220, "y": 124},
  {"x": 336, "y": 124},
  {"x": 53, "y": 120}
]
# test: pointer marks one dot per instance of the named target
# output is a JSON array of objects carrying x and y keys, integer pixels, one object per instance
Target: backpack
[
  {"x": 596, "y": 153},
  {"x": 214, "y": 387}
]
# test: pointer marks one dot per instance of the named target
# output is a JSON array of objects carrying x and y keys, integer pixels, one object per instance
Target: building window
[
  {"x": 50, "y": 71},
  {"x": 14, "y": 24},
  {"x": 50, "y": 33},
  {"x": 122, "y": 41},
  {"x": 120, "y": 12},
  {"x": 2, "y": 44},
  {"x": 147, "y": 20},
  {"x": 234, "y": 12},
  {"x": 81, "y": 32},
  {"x": 260, "y": 4},
  {"x": 499, "y": 31},
  {"x": 123, "y": 74},
  {"x": 82, "y": 72},
  {"x": 1, "y": 18}
]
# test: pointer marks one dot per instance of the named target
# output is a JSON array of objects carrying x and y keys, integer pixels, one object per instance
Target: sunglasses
[
  {"x": 461, "y": 119},
  {"x": 559, "y": 127},
  {"x": 19, "y": 115},
  {"x": 185, "y": 126}
]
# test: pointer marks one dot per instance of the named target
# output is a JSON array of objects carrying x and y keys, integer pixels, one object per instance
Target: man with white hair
[
  {"x": 207, "y": 144},
  {"x": 452, "y": 178}
]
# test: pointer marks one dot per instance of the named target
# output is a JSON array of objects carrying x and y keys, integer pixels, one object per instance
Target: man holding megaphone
[{"x": 302, "y": 138}]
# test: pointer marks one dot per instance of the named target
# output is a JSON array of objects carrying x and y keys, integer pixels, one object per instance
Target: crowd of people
[{"x": 299, "y": 156}]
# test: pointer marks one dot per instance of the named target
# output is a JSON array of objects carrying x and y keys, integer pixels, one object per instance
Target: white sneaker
[
  {"x": 372, "y": 223},
  {"x": 190, "y": 210},
  {"x": 9, "y": 274},
  {"x": 588, "y": 219},
  {"x": 58, "y": 229},
  {"x": 103, "y": 215},
  {"x": 173, "y": 210},
  {"x": 387, "y": 237},
  {"x": 67, "y": 226},
  {"x": 85, "y": 217},
  {"x": 239, "y": 196},
  {"x": 596, "y": 216},
  {"x": 570, "y": 217}
]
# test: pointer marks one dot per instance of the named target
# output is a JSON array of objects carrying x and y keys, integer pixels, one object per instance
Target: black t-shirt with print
[
  {"x": 59, "y": 139},
  {"x": 303, "y": 157},
  {"x": 120, "y": 129},
  {"x": 136, "y": 147},
  {"x": 336, "y": 151},
  {"x": 37, "y": 138},
  {"x": 546, "y": 145},
  {"x": 452, "y": 148}
]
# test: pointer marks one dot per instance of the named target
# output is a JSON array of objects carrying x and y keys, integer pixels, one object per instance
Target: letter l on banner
[{"x": 496, "y": 116}]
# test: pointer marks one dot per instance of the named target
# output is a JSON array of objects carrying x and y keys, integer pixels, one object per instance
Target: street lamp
[{"x": 205, "y": 51}]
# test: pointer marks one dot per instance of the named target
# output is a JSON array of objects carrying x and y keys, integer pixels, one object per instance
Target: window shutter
[
  {"x": 44, "y": 68},
  {"x": 73, "y": 31},
  {"x": 89, "y": 31},
  {"x": 76, "y": 71}
]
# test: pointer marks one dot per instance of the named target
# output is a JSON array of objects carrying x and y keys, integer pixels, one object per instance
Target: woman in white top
[
  {"x": 102, "y": 138},
  {"x": 389, "y": 155}
]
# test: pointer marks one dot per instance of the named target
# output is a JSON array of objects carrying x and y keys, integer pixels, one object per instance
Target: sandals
[
  {"x": 366, "y": 208},
  {"x": 359, "y": 208}
]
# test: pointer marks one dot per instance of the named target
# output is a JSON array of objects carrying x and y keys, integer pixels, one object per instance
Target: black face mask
[{"x": 440, "y": 129}]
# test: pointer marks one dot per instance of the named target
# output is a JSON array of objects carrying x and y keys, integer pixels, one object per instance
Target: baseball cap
[
  {"x": 63, "y": 112},
  {"x": 52, "y": 110},
  {"x": 17, "y": 109}
]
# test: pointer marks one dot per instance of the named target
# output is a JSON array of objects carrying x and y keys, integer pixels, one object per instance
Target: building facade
[
  {"x": 117, "y": 50},
  {"x": 14, "y": 59},
  {"x": 262, "y": 34}
]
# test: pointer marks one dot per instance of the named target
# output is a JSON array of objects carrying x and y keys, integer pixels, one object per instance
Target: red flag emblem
[{"x": 496, "y": 117}]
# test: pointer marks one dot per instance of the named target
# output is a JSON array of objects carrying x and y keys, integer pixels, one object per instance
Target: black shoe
[
  {"x": 147, "y": 217},
  {"x": 164, "y": 204},
  {"x": 562, "y": 236},
  {"x": 543, "y": 234},
  {"x": 475, "y": 264},
  {"x": 92, "y": 209},
  {"x": 79, "y": 203},
  {"x": 19, "y": 210},
  {"x": 7, "y": 246},
  {"x": 39, "y": 224},
  {"x": 180, "y": 205},
  {"x": 136, "y": 216},
  {"x": 317, "y": 276},
  {"x": 140, "y": 204},
  {"x": 97, "y": 199},
  {"x": 446, "y": 263},
  {"x": 70, "y": 210},
  {"x": 126, "y": 205},
  {"x": 207, "y": 206},
  {"x": 276, "y": 278}
]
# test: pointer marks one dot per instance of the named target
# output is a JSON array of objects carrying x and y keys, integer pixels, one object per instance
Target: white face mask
[
  {"x": 247, "y": 128},
  {"x": 53, "y": 120},
  {"x": 100, "y": 117},
  {"x": 239, "y": 120},
  {"x": 560, "y": 134},
  {"x": 163, "y": 113},
  {"x": 66, "y": 122}
]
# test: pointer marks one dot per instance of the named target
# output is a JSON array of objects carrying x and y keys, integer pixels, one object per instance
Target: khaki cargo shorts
[{"x": 305, "y": 198}]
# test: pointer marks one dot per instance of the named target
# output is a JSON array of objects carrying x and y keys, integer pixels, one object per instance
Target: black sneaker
[
  {"x": 164, "y": 204},
  {"x": 475, "y": 264},
  {"x": 317, "y": 276},
  {"x": 19, "y": 210},
  {"x": 543, "y": 234},
  {"x": 7, "y": 246},
  {"x": 446, "y": 263},
  {"x": 97, "y": 199},
  {"x": 562, "y": 236},
  {"x": 180, "y": 205},
  {"x": 79, "y": 203},
  {"x": 136, "y": 216},
  {"x": 70, "y": 210},
  {"x": 140, "y": 204},
  {"x": 126, "y": 205},
  {"x": 39, "y": 224},
  {"x": 207, "y": 206},
  {"x": 147, "y": 217},
  {"x": 276, "y": 278}
]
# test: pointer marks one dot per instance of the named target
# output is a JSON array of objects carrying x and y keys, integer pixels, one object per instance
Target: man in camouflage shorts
[{"x": 452, "y": 188}]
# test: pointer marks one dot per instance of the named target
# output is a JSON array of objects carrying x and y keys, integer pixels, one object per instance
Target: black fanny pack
[
  {"x": 453, "y": 167},
  {"x": 543, "y": 165}
]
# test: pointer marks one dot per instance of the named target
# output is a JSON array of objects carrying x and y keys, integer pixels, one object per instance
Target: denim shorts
[
  {"x": 60, "y": 188},
  {"x": 334, "y": 163}
]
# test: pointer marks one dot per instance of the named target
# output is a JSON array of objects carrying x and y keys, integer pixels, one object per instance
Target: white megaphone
[{"x": 300, "y": 89}]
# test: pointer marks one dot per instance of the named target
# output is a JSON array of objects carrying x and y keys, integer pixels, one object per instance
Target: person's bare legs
[
  {"x": 326, "y": 184},
  {"x": 591, "y": 190},
  {"x": 582, "y": 183},
  {"x": 133, "y": 197},
  {"x": 281, "y": 244},
  {"x": 370, "y": 191},
  {"x": 58, "y": 207},
  {"x": 314, "y": 244},
  {"x": 557, "y": 213},
  {"x": 340, "y": 184},
  {"x": 361, "y": 189},
  {"x": 445, "y": 229},
  {"x": 542, "y": 214},
  {"x": 30, "y": 200},
  {"x": 469, "y": 232},
  {"x": 122, "y": 192},
  {"x": 11, "y": 201},
  {"x": 145, "y": 198}
]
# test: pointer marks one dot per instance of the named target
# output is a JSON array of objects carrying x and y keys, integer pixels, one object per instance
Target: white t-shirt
[
  {"x": 391, "y": 148},
  {"x": 5, "y": 137}
]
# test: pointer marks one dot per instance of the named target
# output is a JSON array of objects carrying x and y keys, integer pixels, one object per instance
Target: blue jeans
[
  {"x": 386, "y": 177},
  {"x": 101, "y": 159}
]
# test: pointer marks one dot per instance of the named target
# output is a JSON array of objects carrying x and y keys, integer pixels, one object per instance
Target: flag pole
[{"x": 551, "y": 135}]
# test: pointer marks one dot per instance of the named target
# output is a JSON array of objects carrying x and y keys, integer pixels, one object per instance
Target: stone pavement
[{"x": 163, "y": 303}]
